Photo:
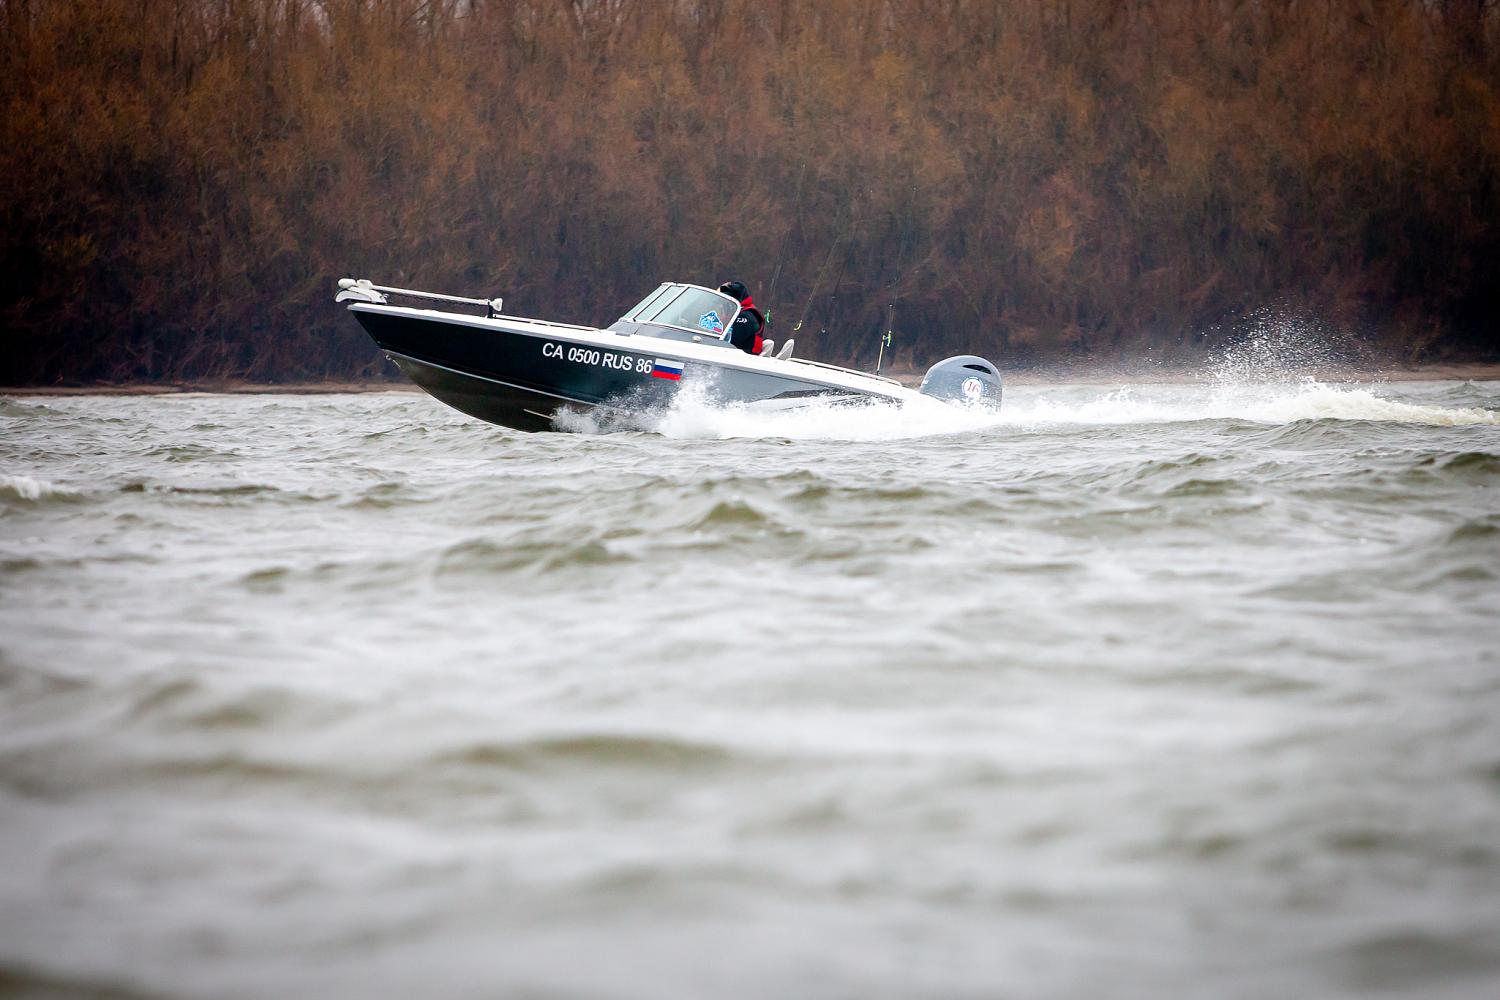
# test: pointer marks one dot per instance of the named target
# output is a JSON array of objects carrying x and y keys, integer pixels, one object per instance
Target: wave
[
  {"x": 691, "y": 416},
  {"x": 33, "y": 490},
  {"x": 189, "y": 453},
  {"x": 602, "y": 749},
  {"x": 1323, "y": 402},
  {"x": 17, "y": 410},
  {"x": 1482, "y": 466},
  {"x": 1484, "y": 529},
  {"x": 229, "y": 490},
  {"x": 481, "y": 556},
  {"x": 1263, "y": 403}
]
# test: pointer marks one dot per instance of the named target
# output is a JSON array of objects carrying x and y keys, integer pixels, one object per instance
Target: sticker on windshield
[{"x": 711, "y": 322}]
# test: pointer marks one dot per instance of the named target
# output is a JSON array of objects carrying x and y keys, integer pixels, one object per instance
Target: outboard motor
[{"x": 964, "y": 379}]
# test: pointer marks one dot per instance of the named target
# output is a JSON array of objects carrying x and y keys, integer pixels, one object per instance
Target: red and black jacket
[{"x": 745, "y": 333}]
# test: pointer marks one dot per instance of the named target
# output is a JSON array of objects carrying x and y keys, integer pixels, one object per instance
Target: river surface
[{"x": 1167, "y": 691}]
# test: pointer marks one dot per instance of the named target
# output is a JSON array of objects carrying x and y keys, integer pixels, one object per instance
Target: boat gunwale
[{"x": 489, "y": 323}]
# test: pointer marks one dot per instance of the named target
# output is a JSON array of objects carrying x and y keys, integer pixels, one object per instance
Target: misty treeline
[{"x": 182, "y": 181}]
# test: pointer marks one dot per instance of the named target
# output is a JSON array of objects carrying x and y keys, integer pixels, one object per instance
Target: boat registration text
[{"x": 600, "y": 359}]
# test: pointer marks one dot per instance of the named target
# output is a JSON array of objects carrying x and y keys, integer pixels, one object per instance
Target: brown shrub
[{"x": 181, "y": 181}]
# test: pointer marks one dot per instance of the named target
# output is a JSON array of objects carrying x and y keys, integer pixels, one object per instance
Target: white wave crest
[
  {"x": 697, "y": 418},
  {"x": 691, "y": 416},
  {"x": 26, "y": 488},
  {"x": 1270, "y": 377},
  {"x": 1316, "y": 401},
  {"x": 1261, "y": 402}
]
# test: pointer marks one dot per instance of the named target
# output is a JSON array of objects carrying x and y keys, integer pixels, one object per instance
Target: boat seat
[
  {"x": 786, "y": 350},
  {"x": 766, "y": 347}
]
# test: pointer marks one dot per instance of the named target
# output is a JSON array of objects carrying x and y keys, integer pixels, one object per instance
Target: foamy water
[
  {"x": 691, "y": 416},
  {"x": 1148, "y": 691}
]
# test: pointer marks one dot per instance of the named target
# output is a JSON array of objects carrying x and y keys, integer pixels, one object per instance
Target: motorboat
[{"x": 524, "y": 373}]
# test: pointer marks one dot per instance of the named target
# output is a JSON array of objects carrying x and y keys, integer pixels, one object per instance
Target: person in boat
[{"x": 746, "y": 331}]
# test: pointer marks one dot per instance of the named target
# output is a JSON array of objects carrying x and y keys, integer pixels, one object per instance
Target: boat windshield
[{"x": 688, "y": 307}]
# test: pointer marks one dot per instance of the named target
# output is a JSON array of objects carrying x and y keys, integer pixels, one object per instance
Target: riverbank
[{"x": 215, "y": 387}]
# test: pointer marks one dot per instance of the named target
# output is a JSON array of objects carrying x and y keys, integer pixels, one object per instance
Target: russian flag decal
[{"x": 667, "y": 368}]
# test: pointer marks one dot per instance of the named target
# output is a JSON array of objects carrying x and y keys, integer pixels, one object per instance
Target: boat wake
[
  {"x": 1257, "y": 402},
  {"x": 1038, "y": 407}
]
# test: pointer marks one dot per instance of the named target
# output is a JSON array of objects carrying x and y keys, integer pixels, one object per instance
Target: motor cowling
[{"x": 963, "y": 379}]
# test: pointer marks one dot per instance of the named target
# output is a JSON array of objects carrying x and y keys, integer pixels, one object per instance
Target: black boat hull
[
  {"x": 522, "y": 378},
  {"x": 488, "y": 399}
]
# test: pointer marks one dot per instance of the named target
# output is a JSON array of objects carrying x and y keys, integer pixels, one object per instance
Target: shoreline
[
  {"x": 214, "y": 388},
  {"x": 1459, "y": 372}
]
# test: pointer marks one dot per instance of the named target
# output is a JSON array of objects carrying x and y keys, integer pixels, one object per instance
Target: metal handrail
[
  {"x": 364, "y": 290},
  {"x": 356, "y": 285},
  {"x": 514, "y": 319}
]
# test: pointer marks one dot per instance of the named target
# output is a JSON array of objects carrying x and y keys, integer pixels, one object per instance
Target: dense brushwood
[{"x": 181, "y": 181}]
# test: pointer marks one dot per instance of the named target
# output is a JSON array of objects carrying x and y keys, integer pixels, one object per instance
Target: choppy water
[{"x": 1175, "y": 691}]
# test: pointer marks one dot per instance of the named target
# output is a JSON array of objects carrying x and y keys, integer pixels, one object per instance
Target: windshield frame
[
  {"x": 658, "y": 302},
  {"x": 653, "y": 301}
]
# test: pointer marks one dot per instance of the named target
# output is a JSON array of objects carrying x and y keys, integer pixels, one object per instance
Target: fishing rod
[
  {"x": 890, "y": 315},
  {"x": 818, "y": 281},
  {"x": 781, "y": 250},
  {"x": 885, "y": 341}
]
